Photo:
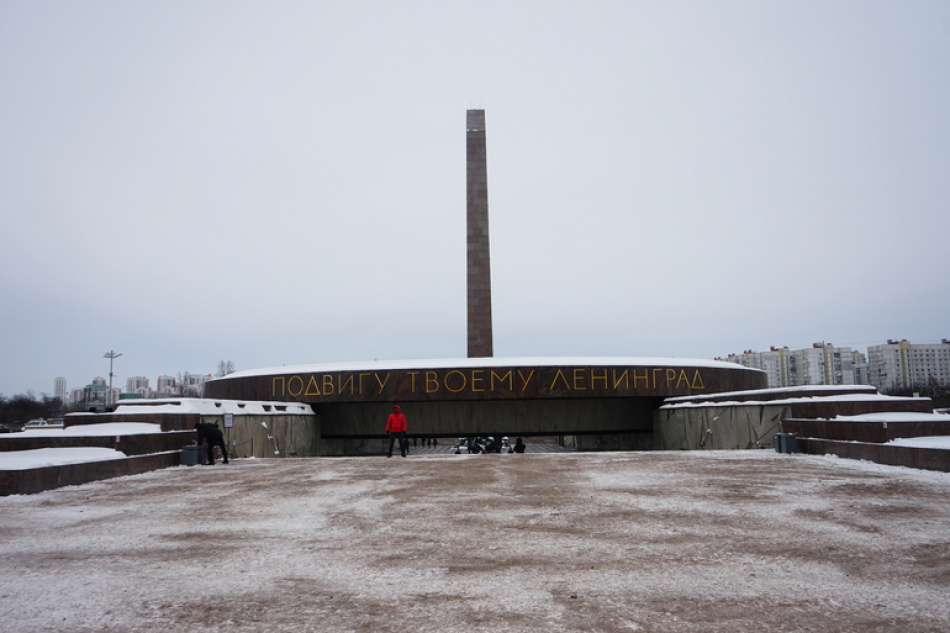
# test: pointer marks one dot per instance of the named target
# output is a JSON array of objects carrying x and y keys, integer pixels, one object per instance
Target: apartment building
[
  {"x": 138, "y": 385},
  {"x": 59, "y": 388},
  {"x": 902, "y": 365},
  {"x": 820, "y": 364}
]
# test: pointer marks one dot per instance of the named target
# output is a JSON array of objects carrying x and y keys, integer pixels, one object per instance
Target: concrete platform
[{"x": 712, "y": 541}]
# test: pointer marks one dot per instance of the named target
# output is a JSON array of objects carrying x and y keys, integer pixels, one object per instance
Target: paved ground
[{"x": 692, "y": 541}]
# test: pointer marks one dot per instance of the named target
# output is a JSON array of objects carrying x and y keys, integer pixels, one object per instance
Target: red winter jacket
[{"x": 396, "y": 422}]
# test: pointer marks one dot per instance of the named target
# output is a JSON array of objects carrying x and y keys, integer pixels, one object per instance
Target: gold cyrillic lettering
[
  {"x": 580, "y": 375},
  {"x": 382, "y": 383},
  {"x": 525, "y": 381},
  {"x": 645, "y": 378},
  {"x": 290, "y": 386},
  {"x": 327, "y": 384},
  {"x": 412, "y": 380},
  {"x": 655, "y": 369},
  {"x": 560, "y": 375},
  {"x": 432, "y": 381},
  {"x": 594, "y": 378},
  {"x": 477, "y": 378},
  {"x": 697, "y": 381},
  {"x": 683, "y": 378},
  {"x": 445, "y": 381},
  {"x": 506, "y": 377},
  {"x": 312, "y": 388},
  {"x": 273, "y": 389},
  {"x": 341, "y": 384},
  {"x": 622, "y": 378},
  {"x": 670, "y": 376}
]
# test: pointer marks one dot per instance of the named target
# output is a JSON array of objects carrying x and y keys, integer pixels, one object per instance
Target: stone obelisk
[{"x": 479, "y": 265}]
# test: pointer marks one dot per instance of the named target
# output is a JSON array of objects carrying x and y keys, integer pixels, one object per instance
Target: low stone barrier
[
  {"x": 865, "y": 430},
  {"x": 137, "y": 444},
  {"x": 34, "y": 480},
  {"x": 887, "y": 454}
]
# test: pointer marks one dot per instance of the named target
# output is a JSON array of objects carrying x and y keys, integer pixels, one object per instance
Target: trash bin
[
  {"x": 192, "y": 455},
  {"x": 786, "y": 443},
  {"x": 789, "y": 443}
]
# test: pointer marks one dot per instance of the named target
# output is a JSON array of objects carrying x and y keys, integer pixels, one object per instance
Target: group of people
[{"x": 396, "y": 426}]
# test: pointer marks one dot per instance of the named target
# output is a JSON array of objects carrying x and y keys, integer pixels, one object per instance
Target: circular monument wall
[{"x": 490, "y": 396}]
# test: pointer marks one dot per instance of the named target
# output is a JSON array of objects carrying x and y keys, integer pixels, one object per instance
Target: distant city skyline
[{"x": 856, "y": 369}]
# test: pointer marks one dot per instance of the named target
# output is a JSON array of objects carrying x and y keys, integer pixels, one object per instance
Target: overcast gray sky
[{"x": 284, "y": 182}]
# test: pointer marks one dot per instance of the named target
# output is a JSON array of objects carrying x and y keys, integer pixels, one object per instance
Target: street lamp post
[{"x": 111, "y": 356}]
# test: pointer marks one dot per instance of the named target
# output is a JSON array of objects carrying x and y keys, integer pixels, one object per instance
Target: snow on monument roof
[
  {"x": 450, "y": 363},
  {"x": 210, "y": 406}
]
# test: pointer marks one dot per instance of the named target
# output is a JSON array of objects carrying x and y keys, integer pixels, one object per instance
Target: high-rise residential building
[
  {"x": 167, "y": 386},
  {"x": 135, "y": 383},
  {"x": 820, "y": 364},
  {"x": 902, "y": 365},
  {"x": 773, "y": 362},
  {"x": 59, "y": 389}
]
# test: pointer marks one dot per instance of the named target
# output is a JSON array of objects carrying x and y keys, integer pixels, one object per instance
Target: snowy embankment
[
  {"x": 45, "y": 457},
  {"x": 942, "y": 442},
  {"x": 935, "y": 441},
  {"x": 94, "y": 430}
]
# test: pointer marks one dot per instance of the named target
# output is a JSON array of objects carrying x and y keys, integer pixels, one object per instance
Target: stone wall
[
  {"x": 877, "y": 432},
  {"x": 34, "y": 480},
  {"x": 138, "y": 444},
  {"x": 598, "y": 424},
  {"x": 718, "y": 427},
  {"x": 888, "y": 454},
  {"x": 271, "y": 435}
]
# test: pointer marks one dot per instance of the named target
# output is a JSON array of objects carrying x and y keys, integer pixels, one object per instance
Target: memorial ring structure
[{"x": 598, "y": 403}]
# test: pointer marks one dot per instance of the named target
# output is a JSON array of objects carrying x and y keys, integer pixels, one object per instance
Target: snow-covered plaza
[{"x": 727, "y": 541}]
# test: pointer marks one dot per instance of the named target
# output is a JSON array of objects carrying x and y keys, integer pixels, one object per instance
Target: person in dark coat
[
  {"x": 519, "y": 446},
  {"x": 212, "y": 436}
]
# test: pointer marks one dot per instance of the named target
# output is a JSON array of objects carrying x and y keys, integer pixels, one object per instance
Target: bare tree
[
  {"x": 187, "y": 387},
  {"x": 225, "y": 367}
]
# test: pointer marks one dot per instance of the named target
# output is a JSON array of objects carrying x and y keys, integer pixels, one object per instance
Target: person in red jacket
[{"x": 396, "y": 427}]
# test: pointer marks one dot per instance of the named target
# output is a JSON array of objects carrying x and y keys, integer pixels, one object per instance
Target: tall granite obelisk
[{"x": 479, "y": 265}]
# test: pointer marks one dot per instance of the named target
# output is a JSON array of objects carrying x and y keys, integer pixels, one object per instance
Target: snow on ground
[
  {"x": 937, "y": 441},
  {"x": 93, "y": 430},
  {"x": 43, "y": 457},
  {"x": 710, "y": 541},
  {"x": 894, "y": 416}
]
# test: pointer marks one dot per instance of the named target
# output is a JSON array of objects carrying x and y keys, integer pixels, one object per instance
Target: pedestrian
[
  {"x": 212, "y": 436},
  {"x": 519, "y": 446},
  {"x": 396, "y": 427}
]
